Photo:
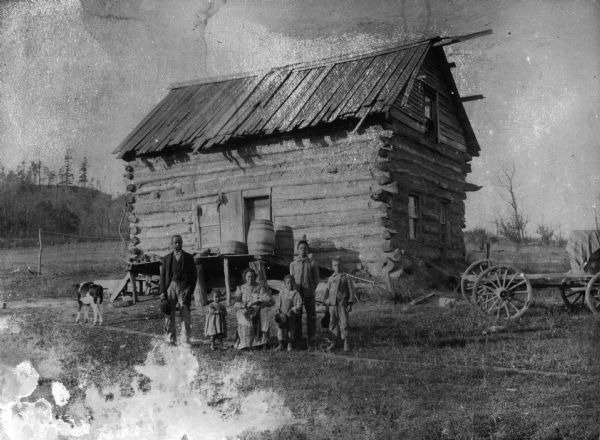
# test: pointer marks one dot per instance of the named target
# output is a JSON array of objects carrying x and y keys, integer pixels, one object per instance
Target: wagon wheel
[
  {"x": 467, "y": 279},
  {"x": 592, "y": 294},
  {"x": 502, "y": 291},
  {"x": 573, "y": 295}
]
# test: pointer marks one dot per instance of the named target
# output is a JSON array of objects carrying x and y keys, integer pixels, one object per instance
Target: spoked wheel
[
  {"x": 592, "y": 294},
  {"x": 573, "y": 295},
  {"x": 468, "y": 278},
  {"x": 502, "y": 291}
]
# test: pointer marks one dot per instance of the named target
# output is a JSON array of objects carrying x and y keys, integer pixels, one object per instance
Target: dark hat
[
  {"x": 164, "y": 307},
  {"x": 281, "y": 319},
  {"x": 325, "y": 319},
  {"x": 250, "y": 313}
]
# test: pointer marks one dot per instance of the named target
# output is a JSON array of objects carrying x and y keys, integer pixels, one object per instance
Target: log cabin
[{"x": 364, "y": 154}]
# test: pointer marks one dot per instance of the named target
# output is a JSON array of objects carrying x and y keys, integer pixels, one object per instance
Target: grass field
[{"x": 415, "y": 372}]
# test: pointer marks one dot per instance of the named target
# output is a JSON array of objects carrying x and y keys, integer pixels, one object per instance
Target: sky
[{"x": 81, "y": 74}]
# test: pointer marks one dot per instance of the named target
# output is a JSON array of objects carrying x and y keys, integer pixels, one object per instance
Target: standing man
[
  {"x": 306, "y": 276},
  {"x": 181, "y": 263}
]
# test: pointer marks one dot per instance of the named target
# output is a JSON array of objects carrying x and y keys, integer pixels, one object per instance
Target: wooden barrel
[
  {"x": 232, "y": 247},
  {"x": 284, "y": 241},
  {"x": 261, "y": 237}
]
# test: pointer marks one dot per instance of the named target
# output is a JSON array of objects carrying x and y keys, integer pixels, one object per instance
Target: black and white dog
[{"x": 89, "y": 295}]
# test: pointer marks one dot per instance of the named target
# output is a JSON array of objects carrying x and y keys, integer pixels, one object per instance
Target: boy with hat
[
  {"x": 288, "y": 305},
  {"x": 338, "y": 297}
]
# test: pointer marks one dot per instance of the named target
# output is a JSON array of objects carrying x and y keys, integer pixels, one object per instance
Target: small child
[
  {"x": 288, "y": 306},
  {"x": 338, "y": 298},
  {"x": 216, "y": 326}
]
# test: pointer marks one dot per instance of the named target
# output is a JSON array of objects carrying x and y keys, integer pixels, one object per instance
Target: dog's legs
[
  {"x": 86, "y": 316},
  {"x": 78, "y": 318},
  {"x": 97, "y": 315},
  {"x": 99, "y": 306}
]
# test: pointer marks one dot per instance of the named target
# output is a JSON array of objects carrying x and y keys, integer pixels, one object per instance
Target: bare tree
[
  {"x": 546, "y": 234},
  {"x": 512, "y": 227}
]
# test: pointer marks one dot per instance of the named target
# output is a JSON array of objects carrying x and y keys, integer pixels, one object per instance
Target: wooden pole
[
  {"x": 132, "y": 279},
  {"x": 226, "y": 273},
  {"x": 200, "y": 294},
  {"x": 487, "y": 250},
  {"x": 40, "y": 253}
]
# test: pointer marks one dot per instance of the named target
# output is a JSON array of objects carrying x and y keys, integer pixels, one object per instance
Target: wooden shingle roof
[{"x": 203, "y": 114}]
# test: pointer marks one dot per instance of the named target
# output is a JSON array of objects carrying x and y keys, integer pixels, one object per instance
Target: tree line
[{"x": 34, "y": 197}]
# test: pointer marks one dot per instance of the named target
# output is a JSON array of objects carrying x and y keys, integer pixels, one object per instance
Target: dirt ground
[
  {"x": 418, "y": 372},
  {"x": 414, "y": 371}
]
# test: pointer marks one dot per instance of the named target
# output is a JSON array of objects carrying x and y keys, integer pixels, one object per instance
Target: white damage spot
[
  {"x": 60, "y": 393},
  {"x": 175, "y": 395},
  {"x": 30, "y": 420}
]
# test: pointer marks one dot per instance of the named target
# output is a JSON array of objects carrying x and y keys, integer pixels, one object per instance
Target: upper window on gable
[{"x": 430, "y": 111}]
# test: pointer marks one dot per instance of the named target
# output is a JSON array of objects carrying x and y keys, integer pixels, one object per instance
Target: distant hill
[{"x": 26, "y": 207}]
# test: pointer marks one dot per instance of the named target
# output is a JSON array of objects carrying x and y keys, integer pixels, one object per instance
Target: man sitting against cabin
[
  {"x": 306, "y": 277},
  {"x": 182, "y": 263},
  {"x": 338, "y": 298}
]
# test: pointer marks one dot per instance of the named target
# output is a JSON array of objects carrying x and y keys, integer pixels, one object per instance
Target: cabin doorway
[{"x": 256, "y": 208}]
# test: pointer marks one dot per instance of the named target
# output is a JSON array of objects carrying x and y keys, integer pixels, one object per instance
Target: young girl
[{"x": 216, "y": 326}]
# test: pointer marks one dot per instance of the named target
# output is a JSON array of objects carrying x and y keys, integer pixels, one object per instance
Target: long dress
[
  {"x": 253, "y": 331},
  {"x": 215, "y": 324}
]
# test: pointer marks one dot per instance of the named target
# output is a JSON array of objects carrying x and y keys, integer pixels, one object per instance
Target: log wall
[{"x": 321, "y": 187}]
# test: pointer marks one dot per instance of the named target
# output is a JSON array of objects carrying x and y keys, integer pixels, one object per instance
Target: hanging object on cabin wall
[{"x": 221, "y": 200}]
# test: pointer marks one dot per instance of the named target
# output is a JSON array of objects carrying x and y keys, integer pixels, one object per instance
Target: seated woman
[{"x": 252, "y": 302}]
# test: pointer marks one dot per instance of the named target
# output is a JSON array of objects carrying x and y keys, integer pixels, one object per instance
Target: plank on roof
[
  {"x": 143, "y": 128},
  {"x": 260, "y": 113},
  {"x": 378, "y": 67},
  {"x": 150, "y": 136},
  {"x": 244, "y": 111},
  {"x": 355, "y": 85},
  {"x": 291, "y": 119},
  {"x": 390, "y": 87},
  {"x": 124, "y": 145},
  {"x": 201, "y": 138},
  {"x": 163, "y": 130},
  {"x": 413, "y": 64},
  {"x": 344, "y": 85},
  {"x": 379, "y": 84},
  {"x": 278, "y": 103},
  {"x": 178, "y": 117},
  {"x": 323, "y": 95},
  {"x": 226, "y": 100},
  {"x": 254, "y": 102},
  {"x": 206, "y": 101},
  {"x": 292, "y": 103}
]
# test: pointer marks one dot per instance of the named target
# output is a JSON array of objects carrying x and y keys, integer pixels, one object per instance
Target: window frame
[
  {"x": 444, "y": 223},
  {"x": 414, "y": 219},
  {"x": 432, "y": 123}
]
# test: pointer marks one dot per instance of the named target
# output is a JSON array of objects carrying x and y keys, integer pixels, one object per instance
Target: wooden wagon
[{"x": 504, "y": 291}]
